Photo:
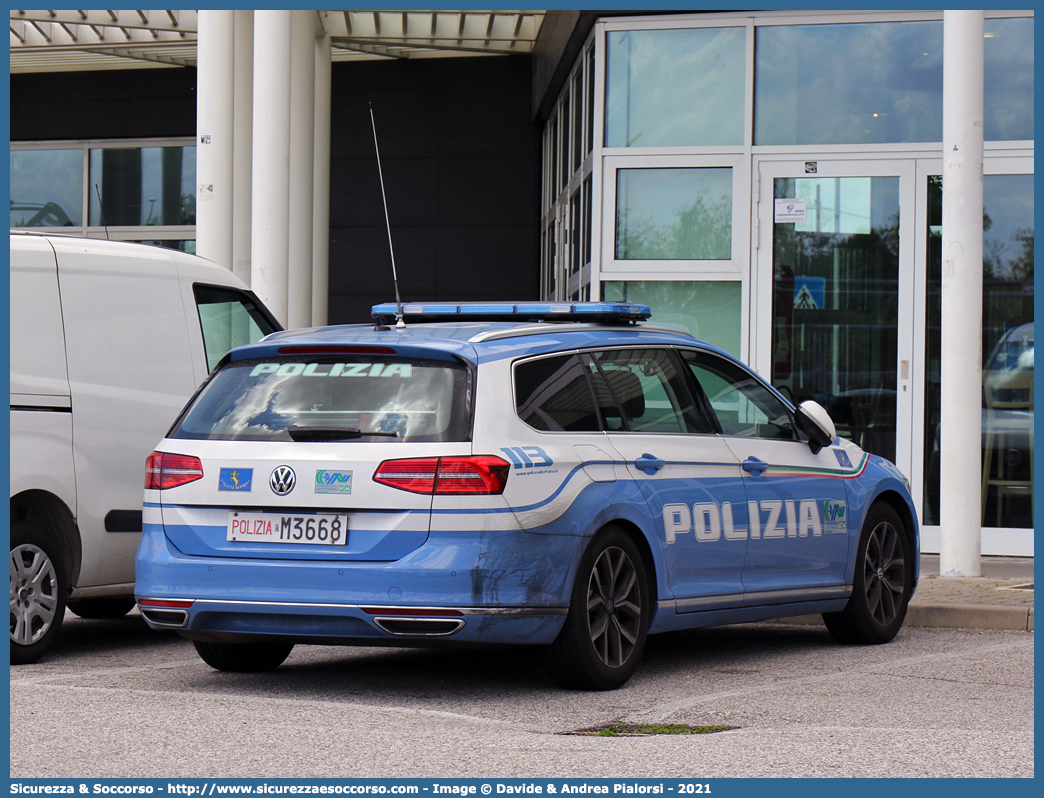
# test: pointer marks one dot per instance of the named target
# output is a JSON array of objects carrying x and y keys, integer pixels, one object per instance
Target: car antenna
[
  {"x": 101, "y": 210},
  {"x": 399, "y": 323}
]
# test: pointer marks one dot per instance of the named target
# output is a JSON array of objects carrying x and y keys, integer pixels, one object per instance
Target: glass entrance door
[{"x": 834, "y": 279}]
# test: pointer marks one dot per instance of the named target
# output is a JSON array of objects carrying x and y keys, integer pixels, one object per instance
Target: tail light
[
  {"x": 446, "y": 476},
  {"x": 164, "y": 470}
]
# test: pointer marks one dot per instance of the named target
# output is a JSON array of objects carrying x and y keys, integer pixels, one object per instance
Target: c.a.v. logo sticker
[{"x": 333, "y": 481}]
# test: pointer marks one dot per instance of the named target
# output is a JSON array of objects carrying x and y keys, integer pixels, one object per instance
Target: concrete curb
[
  {"x": 952, "y": 616},
  {"x": 970, "y": 616}
]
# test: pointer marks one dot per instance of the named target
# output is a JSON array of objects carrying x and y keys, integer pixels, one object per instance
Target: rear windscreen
[{"x": 310, "y": 398}]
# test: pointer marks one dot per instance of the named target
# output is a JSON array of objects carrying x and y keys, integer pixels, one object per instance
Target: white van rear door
[{"x": 130, "y": 374}]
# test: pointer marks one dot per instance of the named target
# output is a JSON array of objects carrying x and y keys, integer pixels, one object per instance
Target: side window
[
  {"x": 641, "y": 390},
  {"x": 553, "y": 394},
  {"x": 229, "y": 318},
  {"x": 744, "y": 407}
]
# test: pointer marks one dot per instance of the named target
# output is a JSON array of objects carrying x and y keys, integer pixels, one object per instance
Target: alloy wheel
[
  {"x": 34, "y": 594},
  {"x": 614, "y": 608},
  {"x": 884, "y": 573}
]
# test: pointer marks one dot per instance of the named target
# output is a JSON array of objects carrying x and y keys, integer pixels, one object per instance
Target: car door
[
  {"x": 690, "y": 479},
  {"x": 795, "y": 500}
]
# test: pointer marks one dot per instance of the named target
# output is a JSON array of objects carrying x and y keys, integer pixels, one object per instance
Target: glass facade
[{"x": 707, "y": 128}]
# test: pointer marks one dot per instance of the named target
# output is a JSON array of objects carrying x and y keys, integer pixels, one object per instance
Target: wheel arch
[
  {"x": 902, "y": 508},
  {"x": 642, "y": 543},
  {"x": 50, "y": 513}
]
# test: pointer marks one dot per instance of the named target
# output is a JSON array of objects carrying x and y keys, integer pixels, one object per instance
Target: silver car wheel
[{"x": 34, "y": 594}]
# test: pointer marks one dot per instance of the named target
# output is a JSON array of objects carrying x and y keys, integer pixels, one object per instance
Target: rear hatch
[{"x": 280, "y": 456}]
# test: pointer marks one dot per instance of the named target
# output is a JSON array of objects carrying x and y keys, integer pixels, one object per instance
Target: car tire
[
  {"x": 102, "y": 608},
  {"x": 244, "y": 657},
  {"x": 604, "y": 634},
  {"x": 881, "y": 585},
  {"x": 38, "y": 591}
]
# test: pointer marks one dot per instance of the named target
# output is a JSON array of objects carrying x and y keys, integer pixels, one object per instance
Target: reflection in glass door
[
  {"x": 835, "y": 301},
  {"x": 1007, "y": 351}
]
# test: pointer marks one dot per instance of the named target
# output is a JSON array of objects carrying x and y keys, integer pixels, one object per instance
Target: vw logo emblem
[{"x": 282, "y": 480}]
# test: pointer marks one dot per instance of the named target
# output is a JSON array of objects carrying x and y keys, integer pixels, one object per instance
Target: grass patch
[{"x": 642, "y": 729}]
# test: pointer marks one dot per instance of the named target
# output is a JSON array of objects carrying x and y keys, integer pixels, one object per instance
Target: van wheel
[
  {"x": 102, "y": 608},
  {"x": 604, "y": 634},
  {"x": 244, "y": 657},
  {"x": 881, "y": 585},
  {"x": 38, "y": 591}
]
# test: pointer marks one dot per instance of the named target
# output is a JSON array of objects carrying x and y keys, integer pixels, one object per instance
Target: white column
[
  {"x": 270, "y": 194},
  {"x": 321, "y": 185},
  {"x": 302, "y": 143},
  {"x": 960, "y": 514},
  {"x": 214, "y": 142},
  {"x": 242, "y": 112}
]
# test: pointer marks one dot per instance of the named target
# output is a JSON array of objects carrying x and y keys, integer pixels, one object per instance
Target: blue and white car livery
[{"x": 558, "y": 475}]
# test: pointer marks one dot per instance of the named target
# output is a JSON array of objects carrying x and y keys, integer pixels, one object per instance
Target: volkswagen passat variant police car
[{"x": 557, "y": 475}]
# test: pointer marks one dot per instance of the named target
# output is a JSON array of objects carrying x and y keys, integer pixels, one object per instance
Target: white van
[{"x": 108, "y": 342}]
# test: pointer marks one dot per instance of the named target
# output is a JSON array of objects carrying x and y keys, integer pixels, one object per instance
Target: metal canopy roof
[{"x": 66, "y": 41}]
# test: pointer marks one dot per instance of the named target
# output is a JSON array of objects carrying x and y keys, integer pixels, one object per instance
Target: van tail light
[
  {"x": 163, "y": 470},
  {"x": 446, "y": 476}
]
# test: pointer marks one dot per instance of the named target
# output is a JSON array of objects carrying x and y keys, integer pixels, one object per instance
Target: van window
[
  {"x": 229, "y": 318},
  {"x": 330, "y": 398}
]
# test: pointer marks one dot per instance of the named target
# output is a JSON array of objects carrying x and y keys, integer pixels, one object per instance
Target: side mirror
[{"x": 813, "y": 420}]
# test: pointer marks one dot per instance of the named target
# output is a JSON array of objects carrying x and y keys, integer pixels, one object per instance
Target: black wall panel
[
  {"x": 461, "y": 166},
  {"x": 108, "y": 104}
]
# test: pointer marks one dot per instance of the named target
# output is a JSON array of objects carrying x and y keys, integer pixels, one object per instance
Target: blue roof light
[{"x": 604, "y": 312}]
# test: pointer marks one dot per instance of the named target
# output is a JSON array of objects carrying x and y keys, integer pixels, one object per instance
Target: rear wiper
[{"x": 320, "y": 434}]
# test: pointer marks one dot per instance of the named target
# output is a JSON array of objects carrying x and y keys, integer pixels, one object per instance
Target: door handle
[
  {"x": 649, "y": 464},
  {"x": 754, "y": 466}
]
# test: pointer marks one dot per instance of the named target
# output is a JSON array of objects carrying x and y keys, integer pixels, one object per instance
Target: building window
[
  {"x": 1008, "y": 96},
  {"x": 674, "y": 214},
  {"x": 112, "y": 190},
  {"x": 47, "y": 188},
  {"x": 848, "y": 84},
  {"x": 568, "y": 140},
  {"x": 881, "y": 82},
  {"x": 709, "y": 310},
  {"x": 142, "y": 186},
  {"x": 675, "y": 88}
]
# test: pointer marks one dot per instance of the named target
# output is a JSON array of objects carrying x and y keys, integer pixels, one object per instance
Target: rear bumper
[
  {"x": 346, "y": 624},
  {"x": 490, "y": 587}
]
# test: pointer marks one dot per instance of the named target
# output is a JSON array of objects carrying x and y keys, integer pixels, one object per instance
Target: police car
[{"x": 560, "y": 475}]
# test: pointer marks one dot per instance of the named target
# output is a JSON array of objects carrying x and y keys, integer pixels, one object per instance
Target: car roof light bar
[{"x": 599, "y": 312}]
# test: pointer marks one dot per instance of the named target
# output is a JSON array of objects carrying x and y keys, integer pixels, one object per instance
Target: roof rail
[{"x": 553, "y": 327}]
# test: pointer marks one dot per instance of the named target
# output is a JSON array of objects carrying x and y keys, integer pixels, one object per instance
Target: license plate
[{"x": 319, "y": 530}]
